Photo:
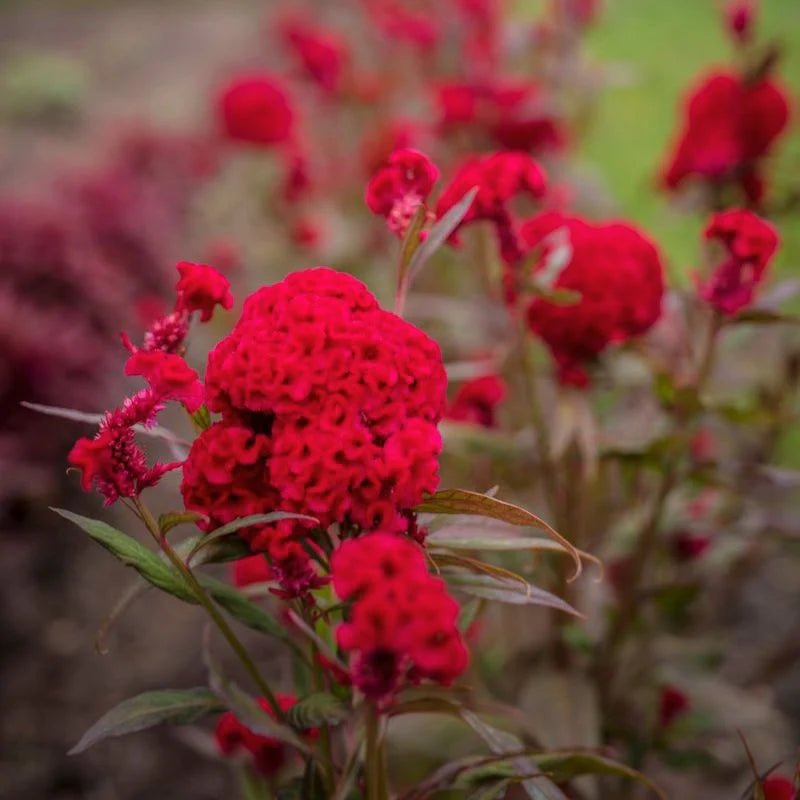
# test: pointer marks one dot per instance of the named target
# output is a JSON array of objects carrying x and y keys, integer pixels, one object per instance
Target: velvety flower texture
[
  {"x": 169, "y": 376},
  {"x": 614, "y": 269},
  {"x": 476, "y": 401},
  {"x": 329, "y": 407},
  {"x": 268, "y": 756},
  {"x": 256, "y": 109},
  {"x": 400, "y": 187},
  {"x": 749, "y": 242},
  {"x": 729, "y": 125},
  {"x": 402, "y": 624}
]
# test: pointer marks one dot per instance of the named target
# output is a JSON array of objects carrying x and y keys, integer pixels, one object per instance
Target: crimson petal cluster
[
  {"x": 329, "y": 408},
  {"x": 402, "y": 625}
]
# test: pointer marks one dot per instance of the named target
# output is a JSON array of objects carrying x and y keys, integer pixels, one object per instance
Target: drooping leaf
[
  {"x": 564, "y": 766},
  {"x": 504, "y": 590},
  {"x": 175, "y": 706},
  {"x": 132, "y": 554},
  {"x": 317, "y": 709},
  {"x": 439, "y": 233},
  {"x": 502, "y": 742},
  {"x": 461, "y": 501},
  {"x": 243, "y": 522}
]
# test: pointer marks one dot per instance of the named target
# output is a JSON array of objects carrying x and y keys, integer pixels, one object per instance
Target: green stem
[
  {"x": 375, "y": 766},
  {"x": 213, "y": 612},
  {"x": 324, "y": 729}
]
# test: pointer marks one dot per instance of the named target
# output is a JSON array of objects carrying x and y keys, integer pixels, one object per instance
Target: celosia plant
[{"x": 320, "y": 480}]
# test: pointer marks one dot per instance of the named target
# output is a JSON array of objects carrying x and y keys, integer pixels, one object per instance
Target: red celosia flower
[
  {"x": 500, "y": 178},
  {"x": 730, "y": 125},
  {"x": 402, "y": 625},
  {"x": 321, "y": 53},
  {"x": 400, "y": 187},
  {"x": 330, "y": 407},
  {"x": 778, "y": 787},
  {"x": 297, "y": 178},
  {"x": 672, "y": 703},
  {"x": 739, "y": 19},
  {"x": 476, "y": 401},
  {"x": 750, "y": 243},
  {"x": 113, "y": 461},
  {"x": 201, "y": 288},
  {"x": 169, "y": 376},
  {"x": 307, "y": 232},
  {"x": 615, "y": 271},
  {"x": 256, "y": 109},
  {"x": 252, "y": 569},
  {"x": 268, "y": 756}
]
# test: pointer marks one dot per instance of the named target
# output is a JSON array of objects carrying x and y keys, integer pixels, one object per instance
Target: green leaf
[
  {"x": 439, "y": 233},
  {"x": 166, "y": 522},
  {"x": 411, "y": 243},
  {"x": 469, "y": 613},
  {"x": 317, "y": 709},
  {"x": 246, "y": 611},
  {"x": 132, "y": 554},
  {"x": 504, "y": 590},
  {"x": 564, "y": 766},
  {"x": 243, "y": 522},
  {"x": 176, "y": 706},
  {"x": 501, "y": 742},
  {"x": 461, "y": 501},
  {"x": 762, "y": 316}
]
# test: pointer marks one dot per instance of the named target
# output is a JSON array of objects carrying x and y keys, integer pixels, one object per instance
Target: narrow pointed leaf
[
  {"x": 175, "y": 706},
  {"x": 439, "y": 233},
  {"x": 504, "y": 590},
  {"x": 132, "y": 554},
  {"x": 501, "y": 742},
  {"x": 564, "y": 766},
  {"x": 461, "y": 501}
]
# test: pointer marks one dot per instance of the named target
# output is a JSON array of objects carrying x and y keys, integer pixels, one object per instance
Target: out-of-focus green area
[{"x": 654, "y": 50}]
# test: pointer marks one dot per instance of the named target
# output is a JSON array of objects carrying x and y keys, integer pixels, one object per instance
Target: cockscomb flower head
[
  {"x": 169, "y": 376},
  {"x": 201, "y": 288},
  {"x": 402, "y": 623},
  {"x": 501, "y": 178},
  {"x": 616, "y": 275},
  {"x": 730, "y": 124},
  {"x": 256, "y": 109},
  {"x": 476, "y": 401},
  {"x": 749, "y": 243},
  {"x": 400, "y": 187},
  {"x": 329, "y": 408}
]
